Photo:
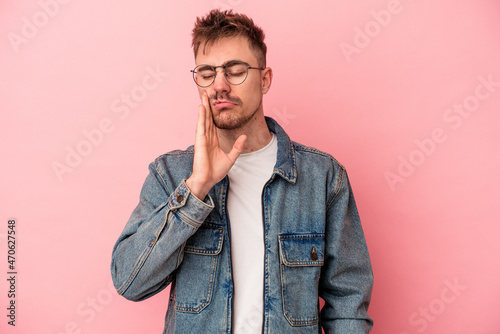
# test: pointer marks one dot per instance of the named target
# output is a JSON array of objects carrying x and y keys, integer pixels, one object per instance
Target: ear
[{"x": 267, "y": 79}]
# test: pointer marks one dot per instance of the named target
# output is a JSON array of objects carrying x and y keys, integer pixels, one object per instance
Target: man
[{"x": 248, "y": 227}]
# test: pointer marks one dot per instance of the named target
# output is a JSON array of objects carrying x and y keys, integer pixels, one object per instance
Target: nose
[{"x": 220, "y": 83}]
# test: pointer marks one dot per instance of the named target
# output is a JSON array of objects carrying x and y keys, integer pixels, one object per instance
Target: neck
[{"x": 258, "y": 136}]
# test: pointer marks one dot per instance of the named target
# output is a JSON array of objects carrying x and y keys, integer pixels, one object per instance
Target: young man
[{"x": 248, "y": 227}]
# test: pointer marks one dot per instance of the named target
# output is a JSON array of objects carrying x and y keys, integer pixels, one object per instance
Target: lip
[{"x": 223, "y": 104}]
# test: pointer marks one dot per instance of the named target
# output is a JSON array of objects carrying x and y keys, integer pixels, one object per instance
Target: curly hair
[{"x": 222, "y": 24}]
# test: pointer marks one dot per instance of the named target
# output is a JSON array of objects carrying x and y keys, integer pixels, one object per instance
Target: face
[{"x": 234, "y": 106}]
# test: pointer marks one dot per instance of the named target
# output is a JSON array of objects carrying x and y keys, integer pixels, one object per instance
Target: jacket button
[
  {"x": 179, "y": 198},
  {"x": 314, "y": 256}
]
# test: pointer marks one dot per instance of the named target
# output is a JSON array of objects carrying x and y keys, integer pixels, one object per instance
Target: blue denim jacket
[{"x": 314, "y": 246}]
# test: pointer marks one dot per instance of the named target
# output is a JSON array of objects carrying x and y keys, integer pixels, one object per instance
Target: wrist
[{"x": 197, "y": 188}]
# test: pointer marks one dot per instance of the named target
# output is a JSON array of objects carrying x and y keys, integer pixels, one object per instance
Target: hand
[{"x": 210, "y": 163}]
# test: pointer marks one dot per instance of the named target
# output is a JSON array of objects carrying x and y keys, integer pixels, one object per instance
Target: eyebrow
[
  {"x": 230, "y": 61},
  {"x": 204, "y": 67},
  {"x": 235, "y": 60}
]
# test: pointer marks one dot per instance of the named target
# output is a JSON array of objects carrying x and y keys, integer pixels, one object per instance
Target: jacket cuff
[
  {"x": 352, "y": 326},
  {"x": 190, "y": 208}
]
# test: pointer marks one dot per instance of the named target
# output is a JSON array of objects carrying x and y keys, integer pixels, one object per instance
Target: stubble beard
[{"x": 233, "y": 121}]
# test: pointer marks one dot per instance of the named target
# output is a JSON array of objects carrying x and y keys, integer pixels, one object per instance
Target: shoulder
[
  {"x": 312, "y": 155},
  {"x": 174, "y": 166},
  {"x": 317, "y": 168},
  {"x": 175, "y": 156}
]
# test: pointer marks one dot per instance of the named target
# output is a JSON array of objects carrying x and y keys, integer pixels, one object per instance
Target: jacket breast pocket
[
  {"x": 196, "y": 275},
  {"x": 301, "y": 257}
]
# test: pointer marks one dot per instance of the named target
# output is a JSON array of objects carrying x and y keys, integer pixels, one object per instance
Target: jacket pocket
[
  {"x": 195, "y": 276},
  {"x": 301, "y": 257}
]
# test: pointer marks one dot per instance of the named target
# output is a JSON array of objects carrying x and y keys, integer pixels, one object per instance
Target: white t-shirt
[{"x": 247, "y": 178}]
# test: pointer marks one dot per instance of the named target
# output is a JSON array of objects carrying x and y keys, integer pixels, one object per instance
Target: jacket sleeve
[
  {"x": 347, "y": 278},
  {"x": 150, "y": 248}
]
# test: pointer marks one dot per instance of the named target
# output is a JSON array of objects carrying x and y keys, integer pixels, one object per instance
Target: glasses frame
[{"x": 225, "y": 74}]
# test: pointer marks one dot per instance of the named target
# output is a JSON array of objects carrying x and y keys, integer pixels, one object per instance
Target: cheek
[{"x": 252, "y": 92}]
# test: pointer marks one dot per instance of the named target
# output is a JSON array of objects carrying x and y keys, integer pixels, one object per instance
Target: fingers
[
  {"x": 203, "y": 126},
  {"x": 200, "y": 125},
  {"x": 238, "y": 146},
  {"x": 208, "y": 113}
]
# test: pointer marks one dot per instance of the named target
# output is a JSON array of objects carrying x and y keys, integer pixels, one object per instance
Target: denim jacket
[{"x": 314, "y": 247}]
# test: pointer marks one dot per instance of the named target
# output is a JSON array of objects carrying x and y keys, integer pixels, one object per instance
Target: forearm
[
  {"x": 151, "y": 245},
  {"x": 347, "y": 276}
]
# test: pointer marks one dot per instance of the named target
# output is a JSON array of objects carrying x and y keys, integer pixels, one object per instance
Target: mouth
[{"x": 223, "y": 104}]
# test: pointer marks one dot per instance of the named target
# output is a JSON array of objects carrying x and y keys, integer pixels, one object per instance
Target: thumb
[{"x": 238, "y": 146}]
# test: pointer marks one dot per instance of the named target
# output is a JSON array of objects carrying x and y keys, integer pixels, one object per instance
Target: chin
[
  {"x": 232, "y": 120},
  {"x": 228, "y": 125},
  {"x": 227, "y": 122}
]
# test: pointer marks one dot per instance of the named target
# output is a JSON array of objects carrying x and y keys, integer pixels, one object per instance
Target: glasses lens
[
  {"x": 204, "y": 75},
  {"x": 236, "y": 73}
]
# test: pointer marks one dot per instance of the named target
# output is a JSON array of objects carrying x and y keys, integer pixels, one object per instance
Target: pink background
[{"x": 376, "y": 83}]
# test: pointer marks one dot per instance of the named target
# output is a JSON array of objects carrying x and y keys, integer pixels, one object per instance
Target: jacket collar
[{"x": 285, "y": 161}]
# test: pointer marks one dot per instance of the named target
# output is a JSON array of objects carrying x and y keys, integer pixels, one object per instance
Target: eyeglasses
[{"x": 235, "y": 72}]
